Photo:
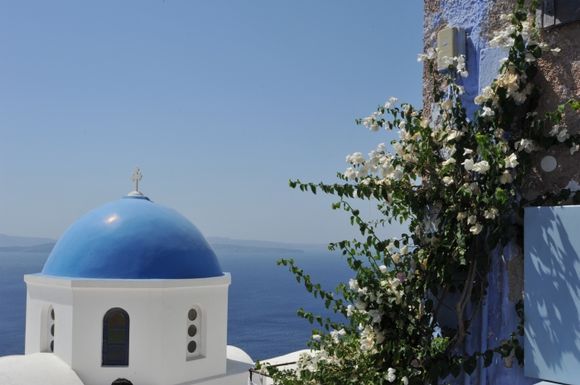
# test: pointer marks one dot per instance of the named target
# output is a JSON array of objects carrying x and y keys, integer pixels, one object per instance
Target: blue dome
[{"x": 132, "y": 238}]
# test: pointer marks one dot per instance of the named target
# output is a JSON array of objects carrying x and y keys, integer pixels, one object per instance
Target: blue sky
[{"x": 218, "y": 102}]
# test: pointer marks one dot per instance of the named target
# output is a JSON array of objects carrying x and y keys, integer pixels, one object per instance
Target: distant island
[
  {"x": 43, "y": 247},
  {"x": 11, "y": 243}
]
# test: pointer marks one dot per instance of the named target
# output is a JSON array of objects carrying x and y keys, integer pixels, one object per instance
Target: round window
[
  {"x": 191, "y": 346},
  {"x": 192, "y": 315},
  {"x": 192, "y": 330}
]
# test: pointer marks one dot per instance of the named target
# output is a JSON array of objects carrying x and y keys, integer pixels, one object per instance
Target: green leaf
[
  {"x": 487, "y": 358},
  {"x": 470, "y": 364}
]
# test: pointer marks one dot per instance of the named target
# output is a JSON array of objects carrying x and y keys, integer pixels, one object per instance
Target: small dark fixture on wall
[
  {"x": 121, "y": 381},
  {"x": 557, "y": 12}
]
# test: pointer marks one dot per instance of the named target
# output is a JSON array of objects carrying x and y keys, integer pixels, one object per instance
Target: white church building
[{"x": 131, "y": 294}]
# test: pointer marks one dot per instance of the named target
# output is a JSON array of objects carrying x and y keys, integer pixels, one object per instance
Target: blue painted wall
[
  {"x": 498, "y": 318},
  {"x": 552, "y": 293}
]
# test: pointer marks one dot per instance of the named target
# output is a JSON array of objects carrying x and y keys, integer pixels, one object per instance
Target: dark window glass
[
  {"x": 52, "y": 314},
  {"x": 52, "y": 346},
  {"x": 191, "y": 346},
  {"x": 192, "y": 315},
  {"x": 121, "y": 381},
  {"x": 115, "y": 338},
  {"x": 52, "y": 330},
  {"x": 192, "y": 330},
  {"x": 556, "y": 12}
]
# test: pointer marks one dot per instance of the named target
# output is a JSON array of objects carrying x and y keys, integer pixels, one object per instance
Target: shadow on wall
[{"x": 552, "y": 293}]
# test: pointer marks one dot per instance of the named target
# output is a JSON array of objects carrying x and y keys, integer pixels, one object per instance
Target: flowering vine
[{"x": 456, "y": 180}]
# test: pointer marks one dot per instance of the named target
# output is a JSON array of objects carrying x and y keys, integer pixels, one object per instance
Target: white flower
[
  {"x": 405, "y": 380},
  {"x": 487, "y": 93},
  {"x": 383, "y": 269},
  {"x": 574, "y": 148},
  {"x": 476, "y": 229},
  {"x": 396, "y": 258},
  {"x": 511, "y": 161},
  {"x": 503, "y": 38},
  {"x": 453, "y": 134},
  {"x": 447, "y": 180},
  {"x": 467, "y": 151},
  {"x": 556, "y": 50},
  {"x": 402, "y": 124},
  {"x": 491, "y": 213},
  {"x": 461, "y": 215},
  {"x": 337, "y": 334},
  {"x": 353, "y": 284},
  {"x": 350, "y": 173},
  {"x": 448, "y": 151},
  {"x": 481, "y": 167},
  {"x": 349, "y": 310},
  {"x": 355, "y": 158},
  {"x": 446, "y": 105},
  {"x": 391, "y": 102},
  {"x": 367, "y": 339},
  {"x": 479, "y": 99},
  {"x": 448, "y": 162},
  {"x": 391, "y": 375},
  {"x": 316, "y": 337},
  {"x": 506, "y": 177},
  {"x": 526, "y": 145},
  {"x": 461, "y": 69},
  {"x": 562, "y": 135},
  {"x": 468, "y": 164},
  {"x": 509, "y": 81},
  {"x": 370, "y": 123},
  {"x": 360, "y": 305},
  {"x": 472, "y": 219},
  {"x": 430, "y": 54},
  {"x": 396, "y": 174},
  {"x": 487, "y": 112},
  {"x": 405, "y": 250}
]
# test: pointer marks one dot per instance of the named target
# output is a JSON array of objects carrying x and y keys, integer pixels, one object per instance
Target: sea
[{"x": 263, "y": 297}]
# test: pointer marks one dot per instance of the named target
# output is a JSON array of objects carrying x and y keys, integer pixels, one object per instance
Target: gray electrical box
[{"x": 450, "y": 43}]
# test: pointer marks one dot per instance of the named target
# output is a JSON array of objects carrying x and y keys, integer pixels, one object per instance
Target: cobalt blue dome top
[{"x": 132, "y": 238}]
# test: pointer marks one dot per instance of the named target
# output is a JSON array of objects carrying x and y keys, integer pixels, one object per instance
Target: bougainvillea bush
[{"x": 456, "y": 181}]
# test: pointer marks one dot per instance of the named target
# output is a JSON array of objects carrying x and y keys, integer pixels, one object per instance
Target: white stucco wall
[
  {"x": 158, "y": 326},
  {"x": 39, "y": 298},
  {"x": 36, "y": 369}
]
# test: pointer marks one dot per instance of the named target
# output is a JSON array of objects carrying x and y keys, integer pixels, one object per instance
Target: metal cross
[{"x": 136, "y": 177}]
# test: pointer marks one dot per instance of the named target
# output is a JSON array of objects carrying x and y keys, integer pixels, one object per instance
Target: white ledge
[{"x": 47, "y": 280}]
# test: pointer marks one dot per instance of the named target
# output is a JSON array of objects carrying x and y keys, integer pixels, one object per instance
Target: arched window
[{"x": 115, "y": 338}]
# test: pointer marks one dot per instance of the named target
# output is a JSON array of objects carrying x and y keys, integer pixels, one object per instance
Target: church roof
[
  {"x": 132, "y": 238},
  {"x": 36, "y": 369}
]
